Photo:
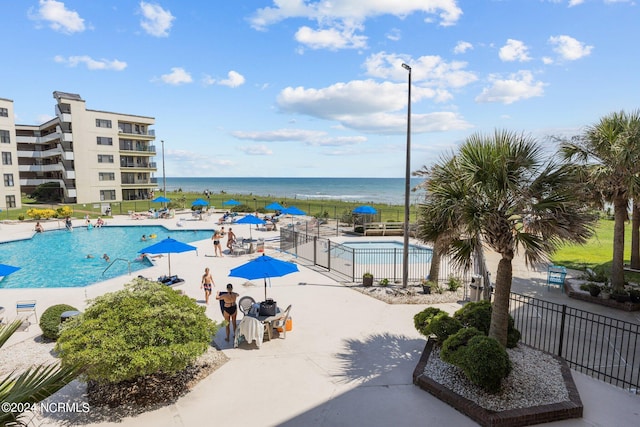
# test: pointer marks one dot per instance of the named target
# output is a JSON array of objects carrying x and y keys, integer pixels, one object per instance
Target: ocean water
[{"x": 361, "y": 190}]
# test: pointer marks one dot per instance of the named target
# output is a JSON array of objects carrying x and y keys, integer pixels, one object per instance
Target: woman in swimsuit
[
  {"x": 217, "y": 249},
  {"x": 230, "y": 309},
  {"x": 207, "y": 284}
]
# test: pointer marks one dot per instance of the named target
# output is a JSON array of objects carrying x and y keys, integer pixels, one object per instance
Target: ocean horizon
[{"x": 360, "y": 190}]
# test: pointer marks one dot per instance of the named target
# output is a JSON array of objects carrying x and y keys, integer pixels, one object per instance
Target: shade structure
[
  {"x": 263, "y": 267},
  {"x": 6, "y": 270},
  {"x": 168, "y": 246},
  {"x": 161, "y": 199},
  {"x": 292, "y": 210},
  {"x": 365, "y": 210},
  {"x": 275, "y": 206},
  {"x": 250, "y": 219},
  {"x": 200, "y": 202},
  {"x": 231, "y": 202}
]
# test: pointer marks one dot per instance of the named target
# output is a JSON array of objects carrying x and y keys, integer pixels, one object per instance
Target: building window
[
  {"x": 103, "y": 140},
  {"x": 4, "y": 136},
  {"x": 101, "y": 123},
  {"x": 6, "y": 158},
  {"x": 8, "y": 180},
  {"x": 10, "y": 201},
  {"x": 107, "y": 195},
  {"x": 106, "y": 176},
  {"x": 4, "y": 112},
  {"x": 105, "y": 158}
]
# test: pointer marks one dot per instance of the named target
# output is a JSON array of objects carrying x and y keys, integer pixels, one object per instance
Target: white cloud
[
  {"x": 58, "y": 16},
  {"x": 354, "y": 10},
  {"x": 430, "y": 70},
  {"x": 256, "y": 150},
  {"x": 547, "y": 60},
  {"x": 516, "y": 87},
  {"x": 394, "y": 34},
  {"x": 90, "y": 63},
  {"x": 514, "y": 50},
  {"x": 462, "y": 47},
  {"x": 367, "y": 106},
  {"x": 156, "y": 21},
  {"x": 178, "y": 76},
  {"x": 234, "y": 79},
  {"x": 569, "y": 48},
  {"x": 309, "y": 137},
  {"x": 330, "y": 38}
]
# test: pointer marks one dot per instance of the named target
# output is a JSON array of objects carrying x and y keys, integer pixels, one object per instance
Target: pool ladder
[{"x": 116, "y": 260}]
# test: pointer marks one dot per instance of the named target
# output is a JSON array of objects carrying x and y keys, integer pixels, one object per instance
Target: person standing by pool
[
  {"x": 230, "y": 309},
  {"x": 68, "y": 224},
  {"x": 231, "y": 239},
  {"x": 39, "y": 228},
  {"x": 207, "y": 284},
  {"x": 217, "y": 248}
]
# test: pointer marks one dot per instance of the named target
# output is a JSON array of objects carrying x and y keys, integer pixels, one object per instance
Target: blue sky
[{"x": 316, "y": 88}]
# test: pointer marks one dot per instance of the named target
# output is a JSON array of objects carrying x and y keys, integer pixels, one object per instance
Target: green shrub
[
  {"x": 486, "y": 363},
  {"x": 454, "y": 347},
  {"x": 384, "y": 282},
  {"x": 421, "y": 320},
  {"x": 50, "y": 320},
  {"x": 478, "y": 315},
  {"x": 454, "y": 283},
  {"x": 143, "y": 329},
  {"x": 443, "y": 326}
]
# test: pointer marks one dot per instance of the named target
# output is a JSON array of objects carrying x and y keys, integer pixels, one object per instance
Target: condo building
[{"x": 94, "y": 156}]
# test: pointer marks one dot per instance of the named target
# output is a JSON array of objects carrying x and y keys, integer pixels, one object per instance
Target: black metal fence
[
  {"x": 353, "y": 263},
  {"x": 605, "y": 348}
]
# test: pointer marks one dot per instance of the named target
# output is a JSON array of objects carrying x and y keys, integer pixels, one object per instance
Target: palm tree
[
  {"x": 610, "y": 153},
  {"x": 512, "y": 200},
  {"x": 33, "y": 385}
]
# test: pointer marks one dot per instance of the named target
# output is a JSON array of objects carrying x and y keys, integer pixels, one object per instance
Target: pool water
[
  {"x": 382, "y": 252},
  {"x": 59, "y": 258}
]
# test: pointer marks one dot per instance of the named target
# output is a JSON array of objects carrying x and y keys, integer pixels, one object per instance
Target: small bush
[
  {"x": 478, "y": 315},
  {"x": 421, "y": 320},
  {"x": 384, "y": 282},
  {"x": 443, "y": 326},
  {"x": 454, "y": 347},
  {"x": 50, "y": 320},
  {"x": 486, "y": 363},
  {"x": 454, "y": 283}
]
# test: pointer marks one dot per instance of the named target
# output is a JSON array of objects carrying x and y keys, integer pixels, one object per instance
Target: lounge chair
[
  {"x": 25, "y": 309},
  {"x": 278, "y": 321}
]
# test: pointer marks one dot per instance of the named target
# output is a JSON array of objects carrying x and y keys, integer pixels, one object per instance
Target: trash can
[
  {"x": 68, "y": 315},
  {"x": 476, "y": 288}
]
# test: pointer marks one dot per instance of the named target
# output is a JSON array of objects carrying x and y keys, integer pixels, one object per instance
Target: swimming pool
[
  {"x": 59, "y": 258},
  {"x": 384, "y": 252}
]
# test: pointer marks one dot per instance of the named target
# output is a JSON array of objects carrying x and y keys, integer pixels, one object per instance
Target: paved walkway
[{"x": 347, "y": 362}]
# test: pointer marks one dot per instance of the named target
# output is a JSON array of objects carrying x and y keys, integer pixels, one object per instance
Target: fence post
[
  {"x": 561, "y": 340},
  {"x": 328, "y": 254},
  {"x": 315, "y": 250}
]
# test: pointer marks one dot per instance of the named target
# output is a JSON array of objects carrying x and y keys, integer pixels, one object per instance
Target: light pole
[
  {"x": 407, "y": 189},
  {"x": 164, "y": 175}
]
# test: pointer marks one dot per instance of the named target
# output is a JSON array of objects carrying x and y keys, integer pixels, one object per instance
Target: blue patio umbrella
[
  {"x": 365, "y": 210},
  {"x": 292, "y": 210},
  {"x": 6, "y": 270},
  {"x": 250, "y": 219},
  {"x": 231, "y": 202},
  {"x": 200, "y": 202},
  {"x": 263, "y": 267},
  {"x": 161, "y": 200},
  {"x": 275, "y": 206},
  {"x": 168, "y": 246}
]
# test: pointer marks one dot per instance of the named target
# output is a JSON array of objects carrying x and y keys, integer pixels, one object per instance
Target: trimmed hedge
[
  {"x": 443, "y": 326},
  {"x": 485, "y": 362},
  {"x": 454, "y": 347},
  {"x": 50, "y": 320},
  {"x": 422, "y": 319},
  {"x": 478, "y": 315}
]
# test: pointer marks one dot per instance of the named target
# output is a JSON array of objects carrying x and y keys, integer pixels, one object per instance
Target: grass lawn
[{"x": 598, "y": 252}]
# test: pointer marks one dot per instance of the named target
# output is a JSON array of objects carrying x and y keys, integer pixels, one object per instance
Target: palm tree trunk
[
  {"x": 434, "y": 269},
  {"x": 620, "y": 215},
  {"x": 500, "y": 308},
  {"x": 635, "y": 237}
]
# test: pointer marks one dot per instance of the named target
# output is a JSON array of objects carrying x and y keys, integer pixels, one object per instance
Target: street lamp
[
  {"x": 407, "y": 189},
  {"x": 164, "y": 175}
]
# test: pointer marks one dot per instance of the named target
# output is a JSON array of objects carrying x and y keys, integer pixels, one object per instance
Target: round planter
[
  {"x": 594, "y": 292},
  {"x": 426, "y": 289},
  {"x": 367, "y": 281}
]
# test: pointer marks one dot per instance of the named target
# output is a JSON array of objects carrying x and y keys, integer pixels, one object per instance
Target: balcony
[
  {"x": 133, "y": 165},
  {"x": 151, "y": 149}
]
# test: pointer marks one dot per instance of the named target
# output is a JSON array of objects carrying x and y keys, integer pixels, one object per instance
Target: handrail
[{"x": 118, "y": 259}]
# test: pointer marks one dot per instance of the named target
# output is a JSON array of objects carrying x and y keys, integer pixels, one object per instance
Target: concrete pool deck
[{"x": 347, "y": 362}]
